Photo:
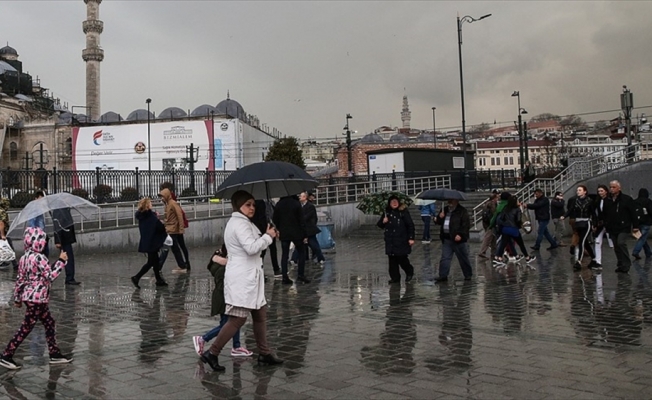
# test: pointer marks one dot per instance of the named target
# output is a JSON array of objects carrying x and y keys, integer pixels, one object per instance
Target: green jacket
[
  {"x": 218, "y": 305},
  {"x": 499, "y": 208}
]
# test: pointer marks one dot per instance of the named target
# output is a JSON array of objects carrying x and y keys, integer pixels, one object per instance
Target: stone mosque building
[{"x": 36, "y": 129}]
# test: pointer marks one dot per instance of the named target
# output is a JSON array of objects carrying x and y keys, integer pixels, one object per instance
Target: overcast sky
[{"x": 301, "y": 66}]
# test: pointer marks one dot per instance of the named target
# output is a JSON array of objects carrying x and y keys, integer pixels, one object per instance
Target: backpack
[
  {"x": 185, "y": 220},
  {"x": 487, "y": 215}
]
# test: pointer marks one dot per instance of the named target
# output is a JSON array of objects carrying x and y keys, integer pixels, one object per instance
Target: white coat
[{"x": 244, "y": 282}]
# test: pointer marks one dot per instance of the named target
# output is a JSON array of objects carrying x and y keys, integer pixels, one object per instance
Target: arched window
[
  {"x": 68, "y": 146},
  {"x": 13, "y": 151}
]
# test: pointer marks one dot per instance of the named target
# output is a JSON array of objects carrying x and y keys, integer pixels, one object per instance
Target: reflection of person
[
  {"x": 35, "y": 276},
  {"x": 455, "y": 226},
  {"x": 217, "y": 268},
  {"x": 244, "y": 283},
  {"x": 152, "y": 329},
  {"x": 399, "y": 238},
  {"x": 175, "y": 307},
  {"x": 152, "y": 237},
  {"x": 174, "y": 226},
  {"x": 64, "y": 237},
  {"x": 456, "y": 334},
  {"x": 620, "y": 220}
]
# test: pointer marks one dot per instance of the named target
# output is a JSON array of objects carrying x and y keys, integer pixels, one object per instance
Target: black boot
[
  {"x": 212, "y": 360},
  {"x": 134, "y": 280},
  {"x": 269, "y": 359}
]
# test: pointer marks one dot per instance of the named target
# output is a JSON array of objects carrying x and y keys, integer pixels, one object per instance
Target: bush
[
  {"x": 101, "y": 192},
  {"x": 79, "y": 192},
  {"x": 129, "y": 194},
  {"x": 167, "y": 185},
  {"x": 20, "y": 199},
  {"x": 188, "y": 192}
]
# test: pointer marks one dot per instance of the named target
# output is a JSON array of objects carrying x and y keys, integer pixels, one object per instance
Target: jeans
[
  {"x": 208, "y": 336},
  {"x": 641, "y": 243},
  {"x": 285, "y": 255},
  {"x": 558, "y": 228},
  {"x": 543, "y": 232},
  {"x": 461, "y": 250},
  {"x": 70, "y": 265},
  {"x": 426, "y": 227},
  {"x": 620, "y": 248},
  {"x": 313, "y": 244},
  {"x": 179, "y": 251}
]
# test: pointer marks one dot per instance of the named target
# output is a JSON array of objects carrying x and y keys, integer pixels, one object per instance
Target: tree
[
  {"x": 286, "y": 149},
  {"x": 571, "y": 123},
  {"x": 545, "y": 117}
]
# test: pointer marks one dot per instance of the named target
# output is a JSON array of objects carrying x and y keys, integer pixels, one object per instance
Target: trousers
[{"x": 34, "y": 312}]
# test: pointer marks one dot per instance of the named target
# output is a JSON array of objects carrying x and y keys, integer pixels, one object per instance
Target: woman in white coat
[{"x": 244, "y": 282}]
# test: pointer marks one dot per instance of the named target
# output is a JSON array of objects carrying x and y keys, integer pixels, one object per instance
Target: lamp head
[
  {"x": 148, "y": 101},
  {"x": 516, "y": 93},
  {"x": 484, "y": 16},
  {"x": 523, "y": 111}
]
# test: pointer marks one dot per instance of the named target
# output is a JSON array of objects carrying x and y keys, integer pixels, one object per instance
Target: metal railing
[{"x": 575, "y": 172}]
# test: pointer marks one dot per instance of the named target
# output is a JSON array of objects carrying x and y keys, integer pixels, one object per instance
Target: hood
[
  {"x": 642, "y": 192},
  {"x": 401, "y": 206},
  {"x": 165, "y": 194},
  {"x": 140, "y": 215},
  {"x": 35, "y": 239}
]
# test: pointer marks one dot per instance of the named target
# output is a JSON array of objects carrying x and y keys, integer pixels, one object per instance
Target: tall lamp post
[
  {"x": 522, "y": 139},
  {"x": 149, "y": 146},
  {"x": 626, "y": 104},
  {"x": 434, "y": 132},
  {"x": 460, "y": 21},
  {"x": 348, "y": 144}
]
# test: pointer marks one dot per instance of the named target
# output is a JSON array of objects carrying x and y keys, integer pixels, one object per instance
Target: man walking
[
  {"x": 64, "y": 237},
  {"x": 489, "y": 238},
  {"x": 620, "y": 220},
  {"x": 310, "y": 219},
  {"x": 174, "y": 227},
  {"x": 455, "y": 225},
  {"x": 262, "y": 216},
  {"x": 288, "y": 218},
  {"x": 644, "y": 207},
  {"x": 557, "y": 210},
  {"x": 541, "y": 207}
]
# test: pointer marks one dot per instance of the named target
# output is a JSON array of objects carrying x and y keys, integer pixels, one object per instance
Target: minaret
[
  {"x": 93, "y": 55},
  {"x": 405, "y": 114}
]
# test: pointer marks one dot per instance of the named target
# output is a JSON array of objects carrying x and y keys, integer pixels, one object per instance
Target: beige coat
[{"x": 173, "y": 217}]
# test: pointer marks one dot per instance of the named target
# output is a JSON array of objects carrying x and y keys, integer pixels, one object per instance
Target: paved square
[{"x": 533, "y": 332}]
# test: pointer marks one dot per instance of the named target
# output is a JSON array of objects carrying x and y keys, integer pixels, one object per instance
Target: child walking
[
  {"x": 217, "y": 267},
  {"x": 35, "y": 276}
]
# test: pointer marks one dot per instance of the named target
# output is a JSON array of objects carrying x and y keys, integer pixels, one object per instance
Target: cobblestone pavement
[{"x": 521, "y": 332}]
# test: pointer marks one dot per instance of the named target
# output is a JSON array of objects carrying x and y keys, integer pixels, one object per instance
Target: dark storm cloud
[{"x": 301, "y": 66}]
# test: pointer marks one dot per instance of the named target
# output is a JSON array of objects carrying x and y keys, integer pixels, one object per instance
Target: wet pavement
[{"x": 533, "y": 332}]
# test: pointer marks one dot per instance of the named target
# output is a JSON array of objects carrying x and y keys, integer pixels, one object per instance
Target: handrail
[{"x": 575, "y": 172}]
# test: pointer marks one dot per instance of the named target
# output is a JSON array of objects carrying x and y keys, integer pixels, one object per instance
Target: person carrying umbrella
[
  {"x": 455, "y": 226},
  {"x": 399, "y": 239}
]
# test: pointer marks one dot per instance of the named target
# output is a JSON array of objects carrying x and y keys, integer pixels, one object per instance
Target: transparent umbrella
[{"x": 52, "y": 213}]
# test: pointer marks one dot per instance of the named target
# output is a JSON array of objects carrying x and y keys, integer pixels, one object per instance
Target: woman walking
[
  {"x": 152, "y": 237},
  {"x": 583, "y": 211},
  {"x": 35, "y": 276},
  {"x": 600, "y": 231},
  {"x": 244, "y": 282},
  {"x": 509, "y": 224},
  {"x": 399, "y": 238}
]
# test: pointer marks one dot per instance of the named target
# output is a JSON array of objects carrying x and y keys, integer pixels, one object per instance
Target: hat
[
  {"x": 239, "y": 198},
  {"x": 505, "y": 195},
  {"x": 558, "y": 194}
]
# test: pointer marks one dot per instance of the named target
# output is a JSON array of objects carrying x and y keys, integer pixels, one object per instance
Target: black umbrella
[
  {"x": 441, "y": 194},
  {"x": 265, "y": 180}
]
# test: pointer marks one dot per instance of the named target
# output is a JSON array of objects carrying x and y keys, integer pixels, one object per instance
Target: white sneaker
[
  {"x": 178, "y": 270},
  {"x": 425, "y": 241},
  {"x": 198, "y": 342},
  {"x": 241, "y": 352}
]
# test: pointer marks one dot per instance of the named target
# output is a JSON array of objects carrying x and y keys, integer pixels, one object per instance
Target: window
[
  {"x": 506, "y": 159},
  {"x": 493, "y": 161},
  {"x": 13, "y": 151},
  {"x": 497, "y": 160},
  {"x": 69, "y": 146},
  {"x": 511, "y": 161}
]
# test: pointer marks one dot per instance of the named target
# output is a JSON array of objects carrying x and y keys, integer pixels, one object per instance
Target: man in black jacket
[
  {"x": 64, "y": 237},
  {"x": 288, "y": 218},
  {"x": 455, "y": 226},
  {"x": 557, "y": 210},
  {"x": 541, "y": 207},
  {"x": 644, "y": 207},
  {"x": 310, "y": 218},
  {"x": 621, "y": 220},
  {"x": 262, "y": 216}
]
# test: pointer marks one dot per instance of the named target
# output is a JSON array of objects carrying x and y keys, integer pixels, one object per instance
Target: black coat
[
  {"x": 152, "y": 232},
  {"x": 288, "y": 218},
  {"x": 460, "y": 224},
  {"x": 310, "y": 218},
  {"x": 64, "y": 236},
  {"x": 541, "y": 207},
  {"x": 557, "y": 209},
  {"x": 260, "y": 217},
  {"x": 620, "y": 214},
  {"x": 644, "y": 205},
  {"x": 582, "y": 208},
  {"x": 398, "y": 231}
]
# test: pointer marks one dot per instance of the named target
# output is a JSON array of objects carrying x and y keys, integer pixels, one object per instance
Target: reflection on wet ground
[{"x": 534, "y": 331}]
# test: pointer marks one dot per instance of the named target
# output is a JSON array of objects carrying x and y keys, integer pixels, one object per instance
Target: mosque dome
[
  {"x": 8, "y": 51},
  {"x": 426, "y": 137},
  {"x": 399, "y": 137},
  {"x": 203, "y": 111},
  {"x": 231, "y": 108},
  {"x": 110, "y": 117},
  {"x": 172, "y": 112},
  {"x": 139, "y": 115},
  {"x": 372, "y": 138}
]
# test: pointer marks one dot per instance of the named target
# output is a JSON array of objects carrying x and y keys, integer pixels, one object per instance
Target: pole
[
  {"x": 525, "y": 140},
  {"x": 459, "y": 47},
  {"x": 520, "y": 144},
  {"x": 348, "y": 145},
  {"x": 434, "y": 131}
]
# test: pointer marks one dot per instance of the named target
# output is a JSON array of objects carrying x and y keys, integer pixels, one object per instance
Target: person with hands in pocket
[
  {"x": 35, "y": 277},
  {"x": 399, "y": 239},
  {"x": 455, "y": 226}
]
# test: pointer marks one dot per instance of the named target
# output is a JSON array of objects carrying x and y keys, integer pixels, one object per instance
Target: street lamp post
[
  {"x": 149, "y": 145},
  {"x": 434, "y": 132},
  {"x": 626, "y": 104},
  {"x": 460, "y": 21},
  {"x": 522, "y": 138},
  {"x": 348, "y": 144}
]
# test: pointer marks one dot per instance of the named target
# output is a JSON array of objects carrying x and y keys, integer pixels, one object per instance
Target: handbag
[
  {"x": 510, "y": 231},
  {"x": 6, "y": 253},
  {"x": 168, "y": 241}
]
